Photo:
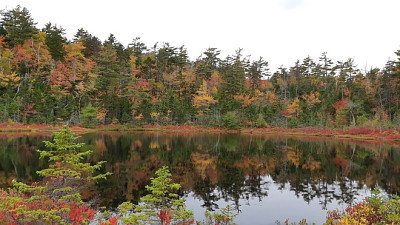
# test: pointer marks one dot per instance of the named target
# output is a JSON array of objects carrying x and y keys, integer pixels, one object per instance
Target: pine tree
[
  {"x": 233, "y": 75},
  {"x": 55, "y": 41},
  {"x": 256, "y": 71},
  {"x": 162, "y": 204},
  {"x": 91, "y": 43},
  {"x": 65, "y": 157},
  {"x": 231, "y": 121},
  {"x": 18, "y": 25},
  {"x": 208, "y": 64},
  {"x": 88, "y": 116},
  {"x": 260, "y": 123}
]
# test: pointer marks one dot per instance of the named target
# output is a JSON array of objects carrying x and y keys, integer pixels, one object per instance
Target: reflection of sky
[{"x": 279, "y": 205}]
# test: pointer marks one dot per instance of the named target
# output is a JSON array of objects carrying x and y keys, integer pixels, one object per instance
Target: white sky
[{"x": 281, "y": 31}]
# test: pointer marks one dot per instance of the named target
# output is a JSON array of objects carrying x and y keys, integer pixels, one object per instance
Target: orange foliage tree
[
  {"x": 203, "y": 99},
  {"x": 293, "y": 110}
]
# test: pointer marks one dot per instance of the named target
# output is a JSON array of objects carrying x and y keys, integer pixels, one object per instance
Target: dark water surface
[{"x": 266, "y": 178}]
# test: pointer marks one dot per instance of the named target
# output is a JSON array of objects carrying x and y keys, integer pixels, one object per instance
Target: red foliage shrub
[
  {"x": 360, "y": 213},
  {"x": 111, "y": 221},
  {"x": 339, "y": 161},
  {"x": 341, "y": 104},
  {"x": 16, "y": 208}
]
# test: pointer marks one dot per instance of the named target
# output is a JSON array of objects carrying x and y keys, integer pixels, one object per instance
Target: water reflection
[{"x": 212, "y": 169}]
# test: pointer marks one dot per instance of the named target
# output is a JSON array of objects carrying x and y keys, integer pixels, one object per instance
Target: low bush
[{"x": 372, "y": 210}]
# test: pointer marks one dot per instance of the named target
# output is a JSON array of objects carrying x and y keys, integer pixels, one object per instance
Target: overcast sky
[{"x": 281, "y": 31}]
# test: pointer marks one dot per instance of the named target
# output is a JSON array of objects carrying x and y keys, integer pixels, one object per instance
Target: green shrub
[
  {"x": 396, "y": 119},
  {"x": 161, "y": 205},
  {"x": 88, "y": 116},
  {"x": 260, "y": 123},
  {"x": 362, "y": 120},
  {"x": 231, "y": 121},
  {"x": 225, "y": 217}
]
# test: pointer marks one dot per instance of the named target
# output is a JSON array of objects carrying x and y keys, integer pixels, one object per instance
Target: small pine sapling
[
  {"x": 66, "y": 166},
  {"x": 161, "y": 205}
]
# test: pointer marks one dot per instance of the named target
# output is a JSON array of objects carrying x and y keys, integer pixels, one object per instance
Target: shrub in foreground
[
  {"x": 161, "y": 206},
  {"x": 56, "y": 200},
  {"x": 372, "y": 210}
]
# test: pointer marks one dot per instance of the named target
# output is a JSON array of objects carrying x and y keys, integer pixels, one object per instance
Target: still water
[{"x": 265, "y": 178}]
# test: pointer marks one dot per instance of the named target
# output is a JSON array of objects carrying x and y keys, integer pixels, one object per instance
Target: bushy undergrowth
[{"x": 372, "y": 210}]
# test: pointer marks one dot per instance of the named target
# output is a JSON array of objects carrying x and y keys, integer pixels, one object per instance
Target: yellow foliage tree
[
  {"x": 215, "y": 82},
  {"x": 293, "y": 109},
  {"x": 6, "y": 57},
  {"x": 37, "y": 47},
  {"x": 203, "y": 100},
  {"x": 245, "y": 99},
  {"x": 74, "y": 50},
  {"x": 9, "y": 79},
  {"x": 271, "y": 98},
  {"x": 7, "y": 76},
  {"x": 311, "y": 99}
]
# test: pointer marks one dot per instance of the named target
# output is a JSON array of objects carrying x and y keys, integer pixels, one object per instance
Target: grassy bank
[{"x": 351, "y": 133}]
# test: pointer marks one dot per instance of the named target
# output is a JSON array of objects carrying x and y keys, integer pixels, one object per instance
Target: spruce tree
[
  {"x": 18, "y": 25},
  {"x": 88, "y": 116},
  {"x": 55, "y": 41},
  {"x": 66, "y": 164}
]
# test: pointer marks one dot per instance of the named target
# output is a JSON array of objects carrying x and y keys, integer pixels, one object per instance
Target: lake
[{"x": 265, "y": 178}]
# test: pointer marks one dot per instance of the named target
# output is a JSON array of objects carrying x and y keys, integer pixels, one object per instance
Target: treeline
[{"x": 46, "y": 78}]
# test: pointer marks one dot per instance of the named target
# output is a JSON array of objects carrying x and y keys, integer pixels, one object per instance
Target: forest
[{"x": 47, "y": 79}]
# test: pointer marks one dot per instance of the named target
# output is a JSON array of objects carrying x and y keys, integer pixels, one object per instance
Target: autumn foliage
[
  {"x": 16, "y": 206},
  {"x": 372, "y": 210},
  {"x": 47, "y": 79}
]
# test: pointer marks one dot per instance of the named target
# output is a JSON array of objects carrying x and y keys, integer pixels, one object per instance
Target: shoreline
[{"x": 350, "y": 133}]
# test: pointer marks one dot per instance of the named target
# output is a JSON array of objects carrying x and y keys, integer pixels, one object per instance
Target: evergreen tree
[
  {"x": 326, "y": 66},
  {"x": 231, "y": 121},
  {"x": 161, "y": 206},
  {"x": 91, "y": 43},
  {"x": 3, "y": 31},
  {"x": 208, "y": 64},
  {"x": 138, "y": 50},
  {"x": 256, "y": 72},
  {"x": 261, "y": 121},
  {"x": 67, "y": 167},
  {"x": 108, "y": 68},
  {"x": 55, "y": 41},
  {"x": 88, "y": 116},
  {"x": 233, "y": 75},
  {"x": 166, "y": 60},
  {"x": 18, "y": 25}
]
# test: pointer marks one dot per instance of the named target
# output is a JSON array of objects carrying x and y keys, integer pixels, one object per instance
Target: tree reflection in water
[{"x": 216, "y": 167}]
